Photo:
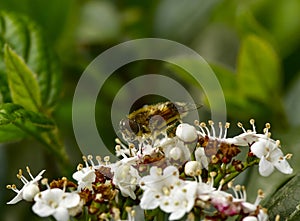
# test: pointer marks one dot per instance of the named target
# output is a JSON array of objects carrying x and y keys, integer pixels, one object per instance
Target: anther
[
  {"x": 288, "y": 156},
  {"x": 240, "y": 125},
  {"x": 221, "y": 130},
  {"x": 252, "y": 122},
  {"x": 79, "y": 167},
  {"x": 117, "y": 140},
  {"x": 98, "y": 158},
  {"x": 106, "y": 158}
]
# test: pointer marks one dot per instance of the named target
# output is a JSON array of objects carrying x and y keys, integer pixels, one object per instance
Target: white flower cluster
[
  {"x": 178, "y": 176},
  {"x": 55, "y": 201}
]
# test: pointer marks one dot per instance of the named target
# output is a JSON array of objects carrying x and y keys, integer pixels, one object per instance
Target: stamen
[
  {"x": 98, "y": 158},
  {"x": 277, "y": 218},
  {"x": 260, "y": 196},
  {"x": 45, "y": 182},
  {"x": 13, "y": 188},
  {"x": 117, "y": 140},
  {"x": 85, "y": 160},
  {"x": 227, "y": 125},
  {"x": 235, "y": 192},
  {"x": 90, "y": 158},
  {"x": 28, "y": 171},
  {"x": 220, "y": 130},
  {"x": 132, "y": 150},
  {"x": 106, "y": 160},
  {"x": 212, "y": 176},
  {"x": 203, "y": 125},
  {"x": 240, "y": 125},
  {"x": 196, "y": 123},
  {"x": 252, "y": 122},
  {"x": 211, "y": 124},
  {"x": 65, "y": 183},
  {"x": 79, "y": 167},
  {"x": 21, "y": 177},
  {"x": 244, "y": 193},
  {"x": 221, "y": 184},
  {"x": 288, "y": 156}
]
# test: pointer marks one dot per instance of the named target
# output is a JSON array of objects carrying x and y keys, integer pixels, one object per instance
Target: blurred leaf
[
  {"x": 292, "y": 104},
  {"x": 283, "y": 22},
  {"x": 181, "y": 20},
  {"x": 10, "y": 132},
  {"x": 285, "y": 201},
  {"x": 99, "y": 22},
  {"x": 247, "y": 24},
  {"x": 258, "y": 69},
  {"x": 42, "y": 12},
  {"x": 22, "y": 81},
  {"x": 27, "y": 41},
  {"x": 15, "y": 122}
]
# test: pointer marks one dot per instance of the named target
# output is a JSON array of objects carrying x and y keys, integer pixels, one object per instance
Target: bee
[{"x": 160, "y": 117}]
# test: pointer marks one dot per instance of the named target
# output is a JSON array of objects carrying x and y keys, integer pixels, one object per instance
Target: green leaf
[
  {"x": 22, "y": 81},
  {"x": 10, "y": 132},
  {"x": 258, "y": 69},
  {"x": 16, "y": 114},
  {"x": 16, "y": 122},
  {"x": 27, "y": 40},
  {"x": 285, "y": 201}
]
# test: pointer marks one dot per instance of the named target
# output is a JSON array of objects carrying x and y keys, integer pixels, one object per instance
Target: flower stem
[{"x": 233, "y": 173}]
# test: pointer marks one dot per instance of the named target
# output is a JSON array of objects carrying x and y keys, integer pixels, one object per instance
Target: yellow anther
[{"x": 227, "y": 125}]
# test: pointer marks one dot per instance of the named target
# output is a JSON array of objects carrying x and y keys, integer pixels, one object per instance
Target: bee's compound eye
[
  {"x": 130, "y": 125},
  {"x": 134, "y": 126}
]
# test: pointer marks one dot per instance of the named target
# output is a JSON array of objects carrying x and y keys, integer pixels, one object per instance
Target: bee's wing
[{"x": 183, "y": 108}]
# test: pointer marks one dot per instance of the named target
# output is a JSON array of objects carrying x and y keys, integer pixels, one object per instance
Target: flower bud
[
  {"x": 192, "y": 168},
  {"x": 186, "y": 133}
]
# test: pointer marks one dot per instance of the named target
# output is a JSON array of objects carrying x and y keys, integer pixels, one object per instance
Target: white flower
[
  {"x": 270, "y": 156},
  {"x": 175, "y": 149},
  {"x": 84, "y": 177},
  {"x": 158, "y": 186},
  {"x": 164, "y": 189},
  {"x": 181, "y": 200},
  {"x": 187, "y": 133},
  {"x": 126, "y": 178},
  {"x": 30, "y": 188},
  {"x": 55, "y": 202}
]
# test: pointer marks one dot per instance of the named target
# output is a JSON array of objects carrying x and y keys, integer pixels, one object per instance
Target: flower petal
[
  {"x": 259, "y": 148},
  {"x": 17, "y": 198},
  {"x": 69, "y": 200},
  {"x": 61, "y": 214},
  {"x": 177, "y": 214},
  {"x": 42, "y": 209},
  {"x": 265, "y": 167},
  {"x": 149, "y": 201},
  {"x": 283, "y": 166}
]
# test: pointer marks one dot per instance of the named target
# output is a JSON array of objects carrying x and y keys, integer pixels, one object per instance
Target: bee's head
[{"x": 129, "y": 128}]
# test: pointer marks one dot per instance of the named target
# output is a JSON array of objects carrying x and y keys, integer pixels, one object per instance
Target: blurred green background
[{"x": 253, "y": 46}]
